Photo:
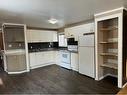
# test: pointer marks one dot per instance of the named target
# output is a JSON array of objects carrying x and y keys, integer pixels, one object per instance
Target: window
[{"x": 62, "y": 40}]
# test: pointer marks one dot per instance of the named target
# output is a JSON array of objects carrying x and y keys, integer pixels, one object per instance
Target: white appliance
[
  {"x": 86, "y": 55},
  {"x": 65, "y": 59}
]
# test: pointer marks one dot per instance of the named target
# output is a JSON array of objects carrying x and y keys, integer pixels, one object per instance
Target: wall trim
[
  {"x": 110, "y": 11},
  {"x": 79, "y": 23}
]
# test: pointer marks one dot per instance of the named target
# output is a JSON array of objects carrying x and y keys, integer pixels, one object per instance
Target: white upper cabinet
[
  {"x": 54, "y": 36},
  {"x": 77, "y": 31},
  {"x": 41, "y": 36},
  {"x": 28, "y": 36}
]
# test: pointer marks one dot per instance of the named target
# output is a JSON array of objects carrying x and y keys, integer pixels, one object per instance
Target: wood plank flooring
[
  {"x": 55, "y": 80},
  {"x": 123, "y": 91}
]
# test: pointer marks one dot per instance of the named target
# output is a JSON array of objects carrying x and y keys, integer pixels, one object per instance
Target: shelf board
[
  {"x": 110, "y": 65},
  {"x": 109, "y": 28},
  {"x": 109, "y": 54},
  {"x": 108, "y": 42}
]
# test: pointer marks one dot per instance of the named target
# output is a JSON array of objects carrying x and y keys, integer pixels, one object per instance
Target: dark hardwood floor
[{"x": 55, "y": 80}]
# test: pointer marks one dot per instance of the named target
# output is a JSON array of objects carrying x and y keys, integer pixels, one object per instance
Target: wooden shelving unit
[
  {"x": 111, "y": 45},
  {"x": 107, "y": 46},
  {"x": 108, "y": 40}
]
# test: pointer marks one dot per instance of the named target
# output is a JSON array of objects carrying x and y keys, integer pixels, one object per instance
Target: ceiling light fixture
[{"x": 53, "y": 21}]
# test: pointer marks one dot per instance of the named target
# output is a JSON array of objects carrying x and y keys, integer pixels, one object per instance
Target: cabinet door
[
  {"x": 74, "y": 61},
  {"x": 8, "y": 37},
  {"x": 22, "y": 61},
  {"x": 49, "y": 57},
  {"x": 35, "y": 36},
  {"x": 41, "y": 36},
  {"x": 11, "y": 62},
  {"x": 79, "y": 30},
  {"x": 55, "y": 36},
  {"x": 32, "y": 59},
  {"x": 40, "y": 58},
  {"x": 46, "y": 36},
  {"x": 66, "y": 32},
  {"x": 56, "y": 58},
  {"x": 19, "y": 35},
  {"x": 49, "y": 36},
  {"x": 16, "y": 63},
  {"x": 28, "y": 36},
  {"x": 44, "y": 57},
  {"x": 69, "y": 33}
]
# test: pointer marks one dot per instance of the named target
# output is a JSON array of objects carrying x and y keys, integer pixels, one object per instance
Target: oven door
[{"x": 65, "y": 57}]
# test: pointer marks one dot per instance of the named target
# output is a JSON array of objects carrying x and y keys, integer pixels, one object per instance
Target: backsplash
[{"x": 42, "y": 45}]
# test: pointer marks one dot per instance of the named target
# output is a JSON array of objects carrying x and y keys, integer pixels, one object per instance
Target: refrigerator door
[
  {"x": 86, "y": 40},
  {"x": 86, "y": 61}
]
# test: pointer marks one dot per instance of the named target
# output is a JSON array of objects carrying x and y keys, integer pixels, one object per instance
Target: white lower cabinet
[
  {"x": 74, "y": 62},
  {"x": 40, "y": 59},
  {"x": 56, "y": 57},
  {"x": 32, "y": 59}
]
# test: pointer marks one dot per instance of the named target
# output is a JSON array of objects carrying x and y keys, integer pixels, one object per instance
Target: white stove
[{"x": 65, "y": 57}]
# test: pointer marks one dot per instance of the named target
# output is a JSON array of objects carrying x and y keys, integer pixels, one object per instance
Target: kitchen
[{"x": 78, "y": 54}]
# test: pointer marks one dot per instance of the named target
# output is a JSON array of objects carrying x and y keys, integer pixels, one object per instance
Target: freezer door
[
  {"x": 86, "y": 40},
  {"x": 86, "y": 61}
]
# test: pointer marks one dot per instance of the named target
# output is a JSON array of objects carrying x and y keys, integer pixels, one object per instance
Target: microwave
[{"x": 71, "y": 41}]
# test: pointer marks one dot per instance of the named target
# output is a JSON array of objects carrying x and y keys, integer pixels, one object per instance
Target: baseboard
[
  {"x": 42, "y": 65},
  {"x": 116, "y": 76},
  {"x": 75, "y": 69},
  {"x": 103, "y": 77},
  {"x": 38, "y": 66},
  {"x": 18, "y": 72},
  {"x": 108, "y": 75}
]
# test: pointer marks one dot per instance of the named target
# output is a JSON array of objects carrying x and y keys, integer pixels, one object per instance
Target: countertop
[
  {"x": 51, "y": 49},
  {"x": 42, "y": 50}
]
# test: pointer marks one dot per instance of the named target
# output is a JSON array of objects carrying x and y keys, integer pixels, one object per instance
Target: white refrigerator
[{"x": 87, "y": 55}]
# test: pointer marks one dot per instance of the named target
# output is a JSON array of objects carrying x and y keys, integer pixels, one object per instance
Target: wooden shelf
[
  {"x": 109, "y": 54},
  {"x": 110, "y": 65},
  {"x": 109, "y": 28},
  {"x": 108, "y": 42}
]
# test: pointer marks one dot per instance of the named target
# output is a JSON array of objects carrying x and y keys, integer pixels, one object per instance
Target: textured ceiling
[{"x": 35, "y": 13}]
